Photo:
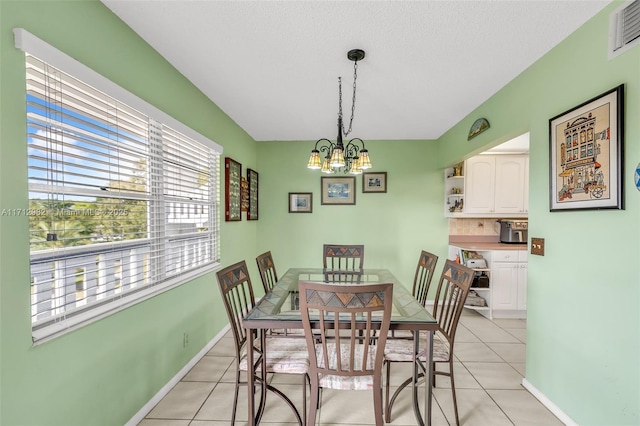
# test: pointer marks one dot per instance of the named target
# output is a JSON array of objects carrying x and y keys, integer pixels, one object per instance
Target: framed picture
[
  {"x": 252, "y": 210},
  {"x": 244, "y": 194},
  {"x": 232, "y": 190},
  {"x": 374, "y": 182},
  {"x": 300, "y": 202},
  {"x": 586, "y": 154},
  {"x": 338, "y": 190}
]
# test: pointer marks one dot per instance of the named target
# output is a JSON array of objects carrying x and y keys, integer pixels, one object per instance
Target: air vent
[{"x": 624, "y": 28}]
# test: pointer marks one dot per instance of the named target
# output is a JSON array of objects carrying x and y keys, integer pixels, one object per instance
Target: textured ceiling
[{"x": 273, "y": 66}]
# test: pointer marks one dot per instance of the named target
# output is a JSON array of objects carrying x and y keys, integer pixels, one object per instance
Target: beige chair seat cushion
[
  {"x": 401, "y": 350},
  {"x": 284, "y": 355},
  {"x": 332, "y": 381}
]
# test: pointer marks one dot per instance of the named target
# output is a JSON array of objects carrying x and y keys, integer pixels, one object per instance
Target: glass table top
[{"x": 280, "y": 305}]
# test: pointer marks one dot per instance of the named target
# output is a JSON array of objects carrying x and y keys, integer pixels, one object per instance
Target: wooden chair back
[
  {"x": 237, "y": 295},
  {"x": 424, "y": 275},
  {"x": 267, "y": 270},
  {"x": 451, "y": 294},
  {"x": 343, "y": 257}
]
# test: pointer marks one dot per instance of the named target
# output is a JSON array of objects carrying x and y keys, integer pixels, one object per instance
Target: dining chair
[
  {"x": 343, "y": 257},
  {"x": 267, "y": 270},
  {"x": 269, "y": 278},
  {"x": 451, "y": 294},
  {"x": 421, "y": 283},
  {"x": 282, "y": 354},
  {"x": 344, "y": 351}
]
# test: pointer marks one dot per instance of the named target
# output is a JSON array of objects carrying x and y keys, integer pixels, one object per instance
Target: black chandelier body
[{"x": 353, "y": 157}]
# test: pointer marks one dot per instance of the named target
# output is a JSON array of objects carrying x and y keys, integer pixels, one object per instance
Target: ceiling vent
[{"x": 624, "y": 28}]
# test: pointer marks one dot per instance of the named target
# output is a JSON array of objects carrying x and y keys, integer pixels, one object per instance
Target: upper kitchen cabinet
[{"x": 497, "y": 185}]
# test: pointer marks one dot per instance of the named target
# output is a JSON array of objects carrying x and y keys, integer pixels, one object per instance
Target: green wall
[
  {"x": 583, "y": 323},
  {"x": 104, "y": 373}
]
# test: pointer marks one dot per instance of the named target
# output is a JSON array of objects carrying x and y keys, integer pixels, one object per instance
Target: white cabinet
[
  {"x": 506, "y": 296},
  {"x": 509, "y": 283},
  {"x": 497, "y": 185}
]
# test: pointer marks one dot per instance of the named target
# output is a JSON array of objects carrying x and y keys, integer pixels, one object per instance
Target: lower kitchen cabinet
[{"x": 506, "y": 296}]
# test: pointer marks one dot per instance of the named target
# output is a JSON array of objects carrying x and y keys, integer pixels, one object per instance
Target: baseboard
[
  {"x": 547, "y": 403},
  {"x": 142, "y": 413}
]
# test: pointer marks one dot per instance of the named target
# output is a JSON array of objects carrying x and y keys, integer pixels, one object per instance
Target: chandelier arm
[{"x": 323, "y": 147}]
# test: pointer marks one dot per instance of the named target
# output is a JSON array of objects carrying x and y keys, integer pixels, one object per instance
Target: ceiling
[{"x": 273, "y": 66}]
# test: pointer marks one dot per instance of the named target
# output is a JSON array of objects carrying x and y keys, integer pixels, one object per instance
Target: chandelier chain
[{"x": 353, "y": 99}]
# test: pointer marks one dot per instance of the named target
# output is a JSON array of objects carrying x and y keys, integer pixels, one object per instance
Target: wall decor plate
[{"x": 479, "y": 126}]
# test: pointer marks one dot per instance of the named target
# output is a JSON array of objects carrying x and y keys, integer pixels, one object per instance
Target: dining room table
[{"x": 279, "y": 309}]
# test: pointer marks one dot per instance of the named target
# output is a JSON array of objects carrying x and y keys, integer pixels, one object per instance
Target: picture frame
[
  {"x": 586, "y": 154},
  {"x": 232, "y": 190},
  {"x": 374, "y": 182},
  {"x": 338, "y": 190},
  {"x": 252, "y": 210},
  {"x": 300, "y": 202}
]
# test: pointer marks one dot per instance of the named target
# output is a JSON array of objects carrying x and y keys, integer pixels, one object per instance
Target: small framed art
[
  {"x": 233, "y": 191},
  {"x": 252, "y": 211},
  {"x": 338, "y": 190},
  {"x": 300, "y": 202},
  {"x": 374, "y": 182}
]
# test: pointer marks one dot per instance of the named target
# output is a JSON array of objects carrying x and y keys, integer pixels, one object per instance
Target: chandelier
[{"x": 353, "y": 157}]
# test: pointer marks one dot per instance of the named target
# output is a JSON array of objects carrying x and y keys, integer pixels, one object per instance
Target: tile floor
[{"x": 489, "y": 370}]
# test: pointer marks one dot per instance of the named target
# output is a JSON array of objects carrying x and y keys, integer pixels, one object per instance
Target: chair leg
[
  {"x": 453, "y": 392},
  {"x": 377, "y": 402},
  {"x": 387, "y": 408},
  {"x": 235, "y": 399},
  {"x": 314, "y": 398}
]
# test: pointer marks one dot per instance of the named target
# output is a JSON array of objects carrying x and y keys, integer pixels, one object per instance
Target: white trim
[
  {"x": 564, "y": 418},
  {"x": 146, "y": 408},
  {"x": 28, "y": 42}
]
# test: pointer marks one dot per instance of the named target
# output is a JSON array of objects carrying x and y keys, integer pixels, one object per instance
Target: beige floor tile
[
  {"x": 518, "y": 333},
  {"x": 224, "y": 347},
  {"x": 510, "y": 323},
  {"x": 510, "y": 352},
  {"x": 402, "y": 412},
  {"x": 209, "y": 369},
  {"x": 520, "y": 367},
  {"x": 183, "y": 401},
  {"x": 523, "y": 409},
  {"x": 475, "y": 352},
  {"x": 463, "y": 334},
  {"x": 475, "y": 408},
  {"x": 492, "y": 333},
  {"x": 495, "y": 375},
  {"x": 163, "y": 422}
]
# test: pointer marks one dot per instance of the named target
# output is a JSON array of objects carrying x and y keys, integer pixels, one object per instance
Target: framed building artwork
[{"x": 586, "y": 154}]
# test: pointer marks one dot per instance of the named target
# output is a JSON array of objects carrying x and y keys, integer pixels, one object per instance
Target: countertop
[{"x": 482, "y": 242}]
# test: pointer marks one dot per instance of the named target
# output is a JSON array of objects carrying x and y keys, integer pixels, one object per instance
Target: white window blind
[{"x": 121, "y": 204}]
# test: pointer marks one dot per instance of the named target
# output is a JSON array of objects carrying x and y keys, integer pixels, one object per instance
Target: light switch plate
[{"x": 537, "y": 246}]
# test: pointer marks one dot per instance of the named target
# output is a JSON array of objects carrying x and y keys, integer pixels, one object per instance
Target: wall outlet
[
  {"x": 537, "y": 246},
  {"x": 185, "y": 339}
]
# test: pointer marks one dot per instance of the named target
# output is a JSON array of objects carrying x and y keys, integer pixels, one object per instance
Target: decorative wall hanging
[
  {"x": 479, "y": 126},
  {"x": 338, "y": 190},
  {"x": 244, "y": 194},
  {"x": 252, "y": 212},
  {"x": 300, "y": 202},
  {"x": 232, "y": 190},
  {"x": 586, "y": 162},
  {"x": 374, "y": 182}
]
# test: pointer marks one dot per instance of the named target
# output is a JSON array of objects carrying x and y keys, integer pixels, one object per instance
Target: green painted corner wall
[
  {"x": 101, "y": 374},
  {"x": 394, "y": 226},
  {"x": 583, "y": 322}
]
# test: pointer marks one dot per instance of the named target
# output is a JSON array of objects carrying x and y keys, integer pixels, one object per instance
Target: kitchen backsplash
[{"x": 480, "y": 226}]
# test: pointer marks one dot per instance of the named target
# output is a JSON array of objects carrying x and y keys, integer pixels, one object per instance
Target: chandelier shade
[{"x": 353, "y": 157}]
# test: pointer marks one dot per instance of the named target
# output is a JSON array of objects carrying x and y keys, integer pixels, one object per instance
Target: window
[{"x": 122, "y": 203}]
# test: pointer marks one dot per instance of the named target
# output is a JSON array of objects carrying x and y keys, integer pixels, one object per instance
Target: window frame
[{"x": 36, "y": 47}]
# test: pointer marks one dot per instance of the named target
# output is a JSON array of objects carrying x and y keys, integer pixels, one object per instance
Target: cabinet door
[
  {"x": 480, "y": 185},
  {"x": 504, "y": 286},
  {"x": 510, "y": 180},
  {"x": 522, "y": 286}
]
